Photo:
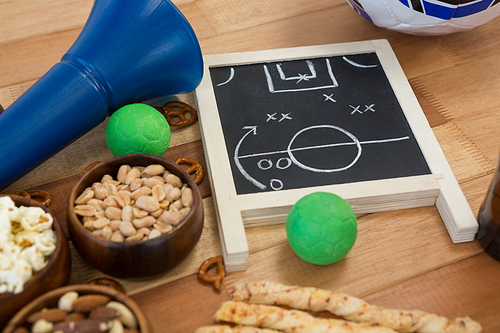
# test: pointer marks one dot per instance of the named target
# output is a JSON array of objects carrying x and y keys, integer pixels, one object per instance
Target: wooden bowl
[
  {"x": 54, "y": 275},
  {"x": 142, "y": 258},
  {"x": 49, "y": 300}
]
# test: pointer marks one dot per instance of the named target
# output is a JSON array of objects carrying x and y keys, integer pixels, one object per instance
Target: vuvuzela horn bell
[{"x": 128, "y": 51}]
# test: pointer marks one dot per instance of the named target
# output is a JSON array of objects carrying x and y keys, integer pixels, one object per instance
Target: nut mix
[
  {"x": 27, "y": 241},
  {"x": 82, "y": 313},
  {"x": 141, "y": 203}
]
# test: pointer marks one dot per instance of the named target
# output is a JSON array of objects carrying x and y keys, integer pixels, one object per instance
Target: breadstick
[
  {"x": 289, "y": 321},
  {"x": 351, "y": 308},
  {"x": 229, "y": 329}
]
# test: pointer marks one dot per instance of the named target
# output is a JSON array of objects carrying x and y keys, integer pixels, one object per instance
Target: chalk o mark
[
  {"x": 231, "y": 76},
  {"x": 355, "y": 141},
  {"x": 286, "y": 166},
  {"x": 276, "y": 184},
  {"x": 265, "y": 167},
  {"x": 358, "y": 64}
]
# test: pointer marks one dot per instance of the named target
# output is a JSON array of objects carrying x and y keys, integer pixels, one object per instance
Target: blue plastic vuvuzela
[{"x": 127, "y": 52}]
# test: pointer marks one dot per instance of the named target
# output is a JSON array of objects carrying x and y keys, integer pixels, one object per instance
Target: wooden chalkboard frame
[{"x": 235, "y": 212}]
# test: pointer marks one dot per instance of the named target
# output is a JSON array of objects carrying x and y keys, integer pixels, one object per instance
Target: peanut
[
  {"x": 158, "y": 192},
  {"x": 122, "y": 173},
  {"x": 101, "y": 223},
  {"x": 136, "y": 184},
  {"x": 122, "y": 198},
  {"x": 83, "y": 198},
  {"x": 117, "y": 237},
  {"x": 85, "y": 210},
  {"x": 154, "y": 234},
  {"x": 113, "y": 224},
  {"x": 147, "y": 221},
  {"x": 171, "y": 217},
  {"x": 134, "y": 173},
  {"x": 127, "y": 213},
  {"x": 97, "y": 203},
  {"x": 155, "y": 180},
  {"x": 147, "y": 203},
  {"x": 171, "y": 193},
  {"x": 174, "y": 180},
  {"x": 107, "y": 233},
  {"x": 127, "y": 229},
  {"x": 99, "y": 191},
  {"x": 187, "y": 197},
  {"x": 113, "y": 213},
  {"x": 154, "y": 170},
  {"x": 139, "y": 213},
  {"x": 140, "y": 192},
  {"x": 110, "y": 201}
]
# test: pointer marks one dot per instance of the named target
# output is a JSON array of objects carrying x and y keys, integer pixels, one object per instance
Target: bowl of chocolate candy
[
  {"x": 135, "y": 215},
  {"x": 34, "y": 253}
]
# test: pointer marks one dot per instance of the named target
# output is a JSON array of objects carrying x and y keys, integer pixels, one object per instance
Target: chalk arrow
[{"x": 252, "y": 130}]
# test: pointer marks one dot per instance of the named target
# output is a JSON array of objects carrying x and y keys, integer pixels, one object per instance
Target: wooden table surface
[{"x": 402, "y": 259}]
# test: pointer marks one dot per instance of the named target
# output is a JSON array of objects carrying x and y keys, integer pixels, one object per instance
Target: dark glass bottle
[{"x": 489, "y": 219}]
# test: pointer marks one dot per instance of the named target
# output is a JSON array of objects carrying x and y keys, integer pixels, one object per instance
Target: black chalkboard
[{"x": 310, "y": 122}]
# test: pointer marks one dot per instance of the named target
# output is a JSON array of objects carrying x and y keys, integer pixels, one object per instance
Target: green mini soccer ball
[
  {"x": 137, "y": 129},
  {"x": 321, "y": 228}
]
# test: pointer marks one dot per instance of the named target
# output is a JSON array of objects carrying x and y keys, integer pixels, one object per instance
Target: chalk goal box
[{"x": 318, "y": 76}]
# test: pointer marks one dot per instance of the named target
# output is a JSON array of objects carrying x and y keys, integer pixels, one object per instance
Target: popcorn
[
  {"x": 8, "y": 207},
  {"x": 26, "y": 242},
  {"x": 35, "y": 257},
  {"x": 34, "y": 218}
]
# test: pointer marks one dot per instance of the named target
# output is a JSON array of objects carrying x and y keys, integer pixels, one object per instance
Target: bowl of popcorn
[
  {"x": 34, "y": 253},
  {"x": 80, "y": 308},
  {"x": 135, "y": 215}
]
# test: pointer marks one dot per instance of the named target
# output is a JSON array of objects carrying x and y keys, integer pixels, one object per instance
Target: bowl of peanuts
[
  {"x": 34, "y": 253},
  {"x": 80, "y": 308},
  {"x": 135, "y": 215}
]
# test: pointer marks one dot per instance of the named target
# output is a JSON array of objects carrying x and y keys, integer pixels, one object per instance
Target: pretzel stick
[
  {"x": 229, "y": 329},
  {"x": 289, "y": 321},
  {"x": 351, "y": 308}
]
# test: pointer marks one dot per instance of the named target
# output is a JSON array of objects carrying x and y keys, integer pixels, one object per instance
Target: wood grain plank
[
  {"x": 22, "y": 18},
  {"x": 462, "y": 289}
]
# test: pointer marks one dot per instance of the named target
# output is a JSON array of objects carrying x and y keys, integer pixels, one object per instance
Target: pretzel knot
[
  {"x": 47, "y": 199},
  {"x": 176, "y": 113},
  {"x": 107, "y": 283},
  {"x": 216, "y": 279},
  {"x": 194, "y": 167}
]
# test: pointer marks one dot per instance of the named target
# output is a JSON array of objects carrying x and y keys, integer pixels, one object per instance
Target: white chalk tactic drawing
[
  {"x": 355, "y": 64},
  {"x": 272, "y": 80},
  {"x": 356, "y": 109},
  {"x": 231, "y": 76},
  {"x": 329, "y": 98},
  {"x": 299, "y": 76},
  {"x": 285, "y": 162}
]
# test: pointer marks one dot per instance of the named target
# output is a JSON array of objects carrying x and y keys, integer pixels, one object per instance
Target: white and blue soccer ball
[{"x": 427, "y": 17}]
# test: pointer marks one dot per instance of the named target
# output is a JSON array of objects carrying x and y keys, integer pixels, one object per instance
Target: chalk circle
[
  {"x": 276, "y": 184},
  {"x": 286, "y": 166},
  {"x": 355, "y": 142},
  {"x": 265, "y": 167}
]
